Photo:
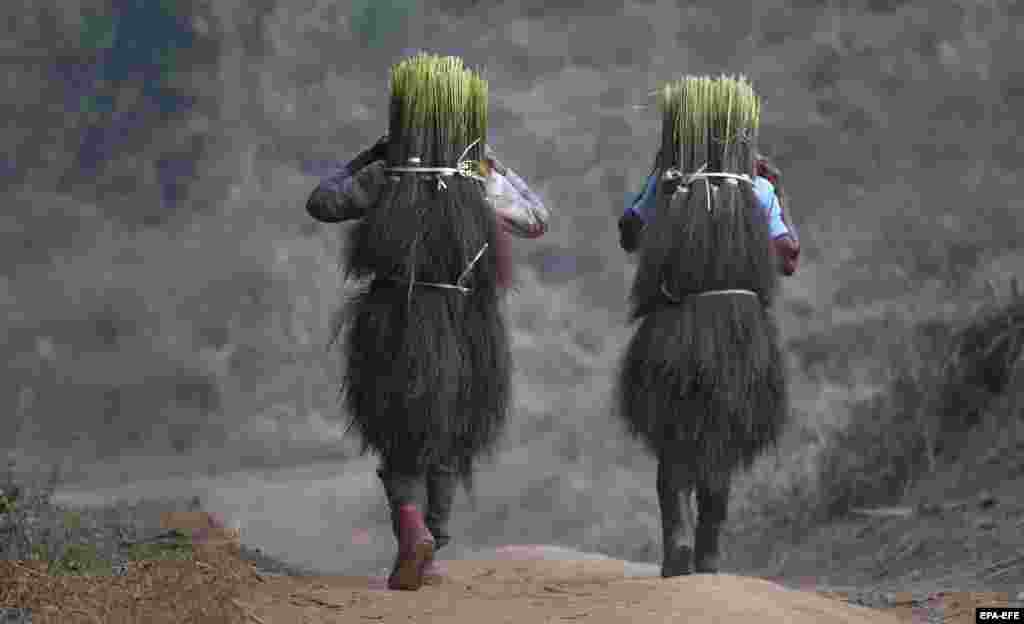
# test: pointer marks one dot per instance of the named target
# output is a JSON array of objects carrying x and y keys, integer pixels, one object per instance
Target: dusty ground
[
  {"x": 512, "y": 586},
  {"x": 535, "y": 584},
  {"x": 955, "y": 542},
  {"x": 550, "y": 591}
]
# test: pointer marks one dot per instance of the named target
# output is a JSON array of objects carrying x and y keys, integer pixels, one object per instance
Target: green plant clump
[
  {"x": 439, "y": 100},
  {"x": 710, "y": 120}
]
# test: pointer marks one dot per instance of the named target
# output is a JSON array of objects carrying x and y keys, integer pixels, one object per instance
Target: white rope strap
[
  {"x": 731, "y": 178},
  {"x": 707, "y": 293},
  {"x": 464, "y": 168}
]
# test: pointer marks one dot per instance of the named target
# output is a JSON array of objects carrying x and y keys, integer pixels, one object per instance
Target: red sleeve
[
  {"x": 503, "y": 258},
  {"x": 788, "y": 251}
]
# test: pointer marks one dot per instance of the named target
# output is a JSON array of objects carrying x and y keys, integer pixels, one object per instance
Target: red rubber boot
[{"x": 415, "y": 549}]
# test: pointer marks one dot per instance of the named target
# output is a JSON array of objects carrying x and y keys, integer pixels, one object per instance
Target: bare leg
[
  {"x": 675, "y": 487},
  {"x": 712, "y": 506}
]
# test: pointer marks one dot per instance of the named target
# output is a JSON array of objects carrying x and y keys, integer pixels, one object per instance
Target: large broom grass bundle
[
  {"x": 703, "y": 375},
  {"x": 428, "y": 358}
]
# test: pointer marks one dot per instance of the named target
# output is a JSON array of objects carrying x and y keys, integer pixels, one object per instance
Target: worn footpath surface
[
  {"x": 512, "y": 584},
  {"x": 954, "y": 543}
]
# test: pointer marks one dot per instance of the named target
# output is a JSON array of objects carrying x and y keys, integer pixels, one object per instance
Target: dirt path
[
  {"x": 546, "y": 584},
  {"x": 594, "y": 592},
  {"x": 220, "y": 587},
  {"x": 954, "y": 543},
  {"x": 871, "y": 570}
]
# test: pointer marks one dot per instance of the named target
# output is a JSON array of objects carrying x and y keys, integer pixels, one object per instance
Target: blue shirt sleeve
[
  {"x": 339, "y": 182},
  {"x": 332, "y": 199},
  {"x": 642, "y": 204},
  {"x": 765, "y": 192}
]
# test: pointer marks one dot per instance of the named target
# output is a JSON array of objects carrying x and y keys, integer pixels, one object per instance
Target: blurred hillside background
[{"x": 168, "y": 297}]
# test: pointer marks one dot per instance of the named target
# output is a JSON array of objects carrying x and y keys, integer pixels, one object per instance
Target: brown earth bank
[
  {"x": 513, "y": 585},
  {"x": 477, "y": 591},
  {"x": 952, "y": 543}
]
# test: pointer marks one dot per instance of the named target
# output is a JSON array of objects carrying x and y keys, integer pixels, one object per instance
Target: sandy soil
[
  {"x": 954, "y": 543},
  {"x": 515, "y": 585},
  {"x": 549, "y": 591}
]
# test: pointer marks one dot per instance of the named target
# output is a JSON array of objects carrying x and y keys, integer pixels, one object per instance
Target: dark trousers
[
  {"x": 690, "y": 543},
  {"x": 432, "y": 491}
]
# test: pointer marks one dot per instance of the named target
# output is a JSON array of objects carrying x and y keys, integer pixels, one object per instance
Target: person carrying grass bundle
[
  {"x": 770, "y": 195},
  {"x": 427, "y": 348},
  {"x": 702, "y": 382}
]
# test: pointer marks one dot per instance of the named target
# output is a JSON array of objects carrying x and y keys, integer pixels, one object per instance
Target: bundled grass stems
[
  {"x": 428, "y": 367},
  {"x": 703, "y": 379}
]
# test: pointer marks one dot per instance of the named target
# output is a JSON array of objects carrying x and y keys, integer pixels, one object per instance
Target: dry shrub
[
  {"x": 872, "y": 460},
  {"x": 54, "y": 567},
  {"x": 199, "y": 590},
  {"x": 941, "y": 385},
  {"x": 979, "y": 368}
]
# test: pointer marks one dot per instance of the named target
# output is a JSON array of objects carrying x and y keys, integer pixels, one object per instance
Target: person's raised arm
[
  {"x": 784, "y": 241},
  {"x": 352, "y": 189},
  {"x": 522, "y": 212},
  {"x": 632, "y": 222}
]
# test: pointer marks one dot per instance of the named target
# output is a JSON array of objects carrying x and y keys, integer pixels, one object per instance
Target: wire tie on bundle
[
  {"x": 731, "y": 178},
  {"x": 458, "y": 283},
  {"x": 462, "y": 168},
  {"x": 469, "y": 268}
]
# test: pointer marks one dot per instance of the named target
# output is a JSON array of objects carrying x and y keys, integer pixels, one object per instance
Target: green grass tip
[
  {"x": 724, "y": 107},
  {"x": 440, "y": 92}
]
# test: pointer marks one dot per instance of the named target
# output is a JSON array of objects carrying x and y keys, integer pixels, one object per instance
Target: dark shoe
[
  {"x": 706, "y": 565},
  {"x": 706, "y": 553},
  {"x": 676, "y": 562},
  {"x": 415, "y": 549}
]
